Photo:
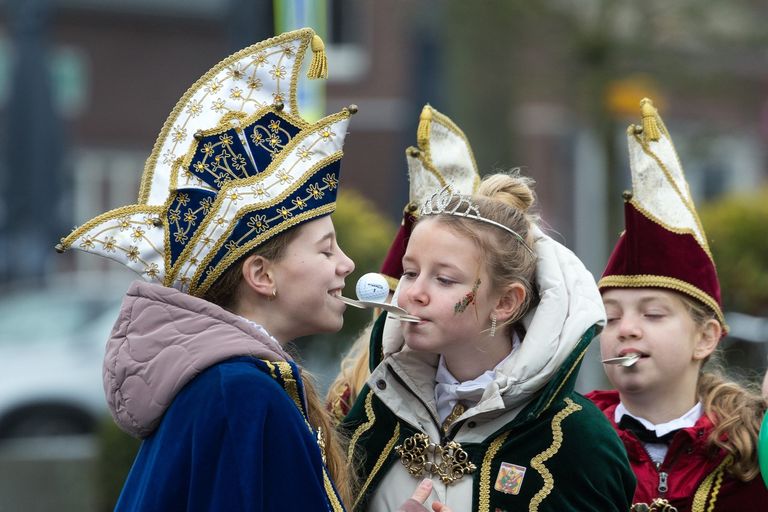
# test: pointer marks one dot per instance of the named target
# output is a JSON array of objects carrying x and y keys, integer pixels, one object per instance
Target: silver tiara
[{"x": 437, "y": 204}]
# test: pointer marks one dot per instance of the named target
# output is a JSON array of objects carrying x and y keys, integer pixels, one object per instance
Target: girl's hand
[{"x": 420, "y": 495}]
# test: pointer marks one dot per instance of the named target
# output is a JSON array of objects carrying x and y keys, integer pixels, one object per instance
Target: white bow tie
[{"x": 449, "y": 391}]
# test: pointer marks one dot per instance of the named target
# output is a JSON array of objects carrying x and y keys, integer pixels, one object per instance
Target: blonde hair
[
  {"x": 736, "y": 410},
  {"x": 225, "y": 293},
  {"x": 505, "y": 199},
  {"x": 352, "y": 376}
]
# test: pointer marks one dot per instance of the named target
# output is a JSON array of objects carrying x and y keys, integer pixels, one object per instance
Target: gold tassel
[
  {"x": 425, "y": 122},
  {"x": 650, "y": 120},
  {"x": 318, "y": 68}
]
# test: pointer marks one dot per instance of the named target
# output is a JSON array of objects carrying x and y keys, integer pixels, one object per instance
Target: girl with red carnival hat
[{"x": 691, "y": 435}]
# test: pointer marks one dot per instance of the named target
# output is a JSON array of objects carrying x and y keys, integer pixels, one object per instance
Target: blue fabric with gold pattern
[
  {"x": 220, "y": 158},
  {"x": 320, "y": 191},
  {"x": 233, "y": 166}
]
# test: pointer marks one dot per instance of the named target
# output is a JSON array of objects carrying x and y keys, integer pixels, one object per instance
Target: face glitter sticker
[{"x": 468, "y": 299}]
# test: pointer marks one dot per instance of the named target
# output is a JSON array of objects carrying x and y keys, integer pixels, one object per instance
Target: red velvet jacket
[{"x": 695, "y": 477}]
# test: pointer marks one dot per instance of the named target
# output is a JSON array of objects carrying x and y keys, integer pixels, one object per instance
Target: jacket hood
[
  {"x": 161, "y": 340},
  {"x": 558, "y": 330}
]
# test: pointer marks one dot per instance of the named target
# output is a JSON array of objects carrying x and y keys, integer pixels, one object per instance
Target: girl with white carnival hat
[{"x": 478, "y": 394}]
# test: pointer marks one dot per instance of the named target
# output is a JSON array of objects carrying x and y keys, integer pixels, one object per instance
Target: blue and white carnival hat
[{"x": 233, "y": 166}]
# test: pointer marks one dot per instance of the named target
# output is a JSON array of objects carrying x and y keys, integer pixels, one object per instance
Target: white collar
[
  {"x": 448, "y": 389},
  {"x": 687, "y": 420}
]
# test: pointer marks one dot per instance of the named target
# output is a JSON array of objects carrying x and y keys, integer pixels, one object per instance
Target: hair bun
[{"x": 511, "y": 189}]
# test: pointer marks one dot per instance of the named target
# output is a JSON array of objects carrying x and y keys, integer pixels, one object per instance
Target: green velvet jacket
[{"x": 558, "y": 454}]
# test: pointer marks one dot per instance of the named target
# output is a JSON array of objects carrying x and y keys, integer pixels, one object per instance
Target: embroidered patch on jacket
[{"x": 510, "y": 478}]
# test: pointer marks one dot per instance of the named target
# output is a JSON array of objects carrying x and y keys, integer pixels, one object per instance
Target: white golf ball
[{"x": 372, "y": 287}]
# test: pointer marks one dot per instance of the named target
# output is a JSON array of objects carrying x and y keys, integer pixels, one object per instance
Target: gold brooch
[
  {"x": 657, "y": 505},
  {"x": 449, "y": 462}
]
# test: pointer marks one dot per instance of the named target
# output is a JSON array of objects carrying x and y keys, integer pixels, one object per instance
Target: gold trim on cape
[
  {"x": 484, "y": 503},
  {"x": 538, "y": 461},
  {"x": 359, "y": 431},
  {"x": 703, "y": 492},
  {"x": 330, "y": 491},
  {"x": 379, "y": 462}
]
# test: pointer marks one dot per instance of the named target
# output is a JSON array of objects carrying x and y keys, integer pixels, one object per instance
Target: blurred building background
[{"x": 549, "y": 86}]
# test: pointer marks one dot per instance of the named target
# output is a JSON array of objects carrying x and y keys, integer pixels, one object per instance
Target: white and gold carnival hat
[
  {"x": 233, "y": 166},
  {"x": 663, "y": 244},
  {"x": 442, "y": 158}
]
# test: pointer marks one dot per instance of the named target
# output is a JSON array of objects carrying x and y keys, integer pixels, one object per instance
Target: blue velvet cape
[{"x": 234, "y": 439}]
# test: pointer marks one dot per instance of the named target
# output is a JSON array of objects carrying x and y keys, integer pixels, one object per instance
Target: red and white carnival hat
[
  {"x": 443, "y": 158},
  {"x": 663, "y": 244}
]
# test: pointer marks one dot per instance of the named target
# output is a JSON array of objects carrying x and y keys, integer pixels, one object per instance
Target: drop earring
[{"x": 493, "y": 325}]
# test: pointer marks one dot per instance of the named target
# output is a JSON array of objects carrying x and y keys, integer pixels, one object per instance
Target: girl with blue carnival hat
[{"x": 233, "y": 234}]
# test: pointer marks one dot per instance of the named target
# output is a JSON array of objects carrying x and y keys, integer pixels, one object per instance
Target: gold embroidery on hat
[
  {"x": 194, "y": 249},
  {"x": 447, "y": 461},
  {"x": 122, "y": 215},
  {"x": 285, "y": 219},
  {"x": 203, "y": 231},
  {"x": 302, "y": 37},
  {"x": 668, "y": 175},
  {"x": 124, "y": 219},
  {"x": 648, "y": 280},
  {"x": 428, "y": 116},
  {"x": 236, "y": 81},
  {"x": 240, "y": 122},
  {"x": 680, "y": 231},
  {"x": 239, "y": 251}
]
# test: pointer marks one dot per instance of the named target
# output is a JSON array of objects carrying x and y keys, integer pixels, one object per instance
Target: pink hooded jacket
[{"x": 162, "y": 339}]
